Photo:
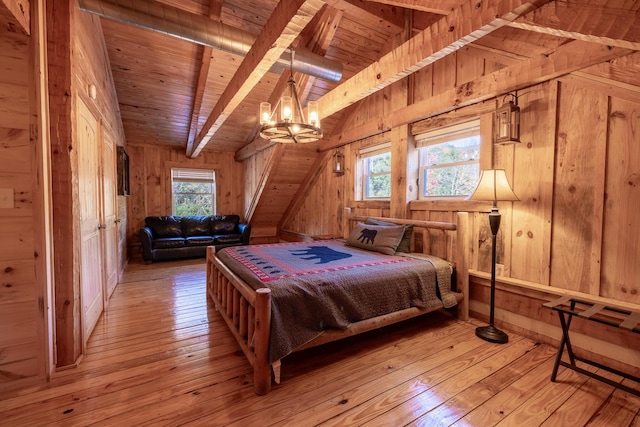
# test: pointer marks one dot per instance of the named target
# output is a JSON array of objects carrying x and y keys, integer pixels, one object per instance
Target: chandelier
[{"x": 292, "y": 127}]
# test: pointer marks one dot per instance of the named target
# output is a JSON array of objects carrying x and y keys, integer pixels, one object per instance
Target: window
[
  {"x": 375, "y": 172},
  {"x": 449, "y": 160},
  {"x": 193, "y": 191}
]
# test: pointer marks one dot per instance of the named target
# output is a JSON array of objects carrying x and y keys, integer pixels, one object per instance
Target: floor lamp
[{"x": 493, "y": 186}]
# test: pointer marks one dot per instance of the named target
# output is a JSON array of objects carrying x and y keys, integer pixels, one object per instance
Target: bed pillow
[
  {"x": 378, "y": 238},
  {"x": 405, "y": 242}
]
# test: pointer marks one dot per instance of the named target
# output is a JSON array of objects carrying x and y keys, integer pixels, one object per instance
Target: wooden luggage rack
[{"x": 568, "y": 307}]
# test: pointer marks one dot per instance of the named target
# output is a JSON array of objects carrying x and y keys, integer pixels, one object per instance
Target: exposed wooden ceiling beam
[
  {"x": 569, "y": 57},
  {"x": 204, "y": 55},
  {"x": 465, "y": 24},
  {"x": 441, "y": 7},
  {"x": 590, "y": 22},
  {"x": 319, "y": 35},
  {"x": 284, "y": 25},
  {"x": 599, "y": 23}
]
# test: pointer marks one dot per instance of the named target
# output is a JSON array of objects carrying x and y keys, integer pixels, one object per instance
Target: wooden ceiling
[{"x": 181, "y": 94}]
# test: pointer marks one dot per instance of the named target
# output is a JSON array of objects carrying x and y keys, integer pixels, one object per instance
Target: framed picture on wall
[{"x": 123, "y": 172}]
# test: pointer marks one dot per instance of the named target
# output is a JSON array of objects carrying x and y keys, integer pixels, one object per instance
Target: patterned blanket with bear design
[{"x": 326, "y": 284}]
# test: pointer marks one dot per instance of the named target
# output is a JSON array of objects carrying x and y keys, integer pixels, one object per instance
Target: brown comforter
[{"x": 327, "y": 284}]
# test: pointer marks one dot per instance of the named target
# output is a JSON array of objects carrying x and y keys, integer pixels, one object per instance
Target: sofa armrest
[
  {"x": 245, "y": 231},
  {"x": 146, "y": 238}
]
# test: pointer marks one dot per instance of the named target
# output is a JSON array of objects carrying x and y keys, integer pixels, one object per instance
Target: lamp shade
[{"x": 493, "y": 186}]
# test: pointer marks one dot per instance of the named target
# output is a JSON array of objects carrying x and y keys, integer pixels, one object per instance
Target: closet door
[
  {"x": 109, "y": 229},
  {"x": 91, "y": 273}
]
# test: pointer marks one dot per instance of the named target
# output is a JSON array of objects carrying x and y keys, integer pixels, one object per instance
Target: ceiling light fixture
[{"x": 292, "y": 126}]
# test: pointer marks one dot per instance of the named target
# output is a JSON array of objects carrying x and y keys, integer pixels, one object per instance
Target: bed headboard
[{"x": 448, "y": 240}]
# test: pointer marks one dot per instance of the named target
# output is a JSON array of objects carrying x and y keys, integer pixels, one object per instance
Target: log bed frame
[{"x": 247, "y": 312}]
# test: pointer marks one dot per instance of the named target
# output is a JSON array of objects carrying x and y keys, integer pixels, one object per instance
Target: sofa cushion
[
  {"x": 228, "y": 238},
  {"x": 224, "y": 224},
  {"x": 168, "y": 243},
  {"x": 164, "y": 226},
  {"x": 199, "y": 240},
  {"x": 196, "y": 226}
]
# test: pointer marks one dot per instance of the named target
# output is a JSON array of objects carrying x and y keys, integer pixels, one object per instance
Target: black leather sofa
[{"x": 176, "y": 237}]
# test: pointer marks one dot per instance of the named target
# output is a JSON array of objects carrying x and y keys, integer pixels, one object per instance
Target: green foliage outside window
[
  {"x": 193, "y": 198},
  {"x": 378, "y": 176},
  {"x": 451, "y": 181},
  {"x": 451, "y": 168},
  {"x": 379, "y": 186}
]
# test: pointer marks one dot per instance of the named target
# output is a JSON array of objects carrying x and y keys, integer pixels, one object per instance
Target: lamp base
[{"x": 492, "y": 334}]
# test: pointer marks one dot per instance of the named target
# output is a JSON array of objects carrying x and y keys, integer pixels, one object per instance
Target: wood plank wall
[
  {"x": 21, "y": 355},
  {"x": 150, "y": 181},
  {"x": 254, "y": 167},
  {"x": 576, "y": 173}
]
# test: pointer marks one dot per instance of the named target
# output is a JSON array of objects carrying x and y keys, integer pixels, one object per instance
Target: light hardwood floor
[{"x": 160, "y": 355}]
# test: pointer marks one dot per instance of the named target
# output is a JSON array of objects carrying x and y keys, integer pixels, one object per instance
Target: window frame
[
  {"x": 195, "y": 175},
  {"x": 442, "y": 135},
  {"x": 362, "y": 176}
]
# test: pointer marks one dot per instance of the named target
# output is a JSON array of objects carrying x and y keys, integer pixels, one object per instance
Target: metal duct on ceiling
[{"x": 199, "y": 29}]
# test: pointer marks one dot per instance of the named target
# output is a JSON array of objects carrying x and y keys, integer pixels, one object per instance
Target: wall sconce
[
  {"x": 338, "y": 162},
  {"x": 508, "y": 121}
]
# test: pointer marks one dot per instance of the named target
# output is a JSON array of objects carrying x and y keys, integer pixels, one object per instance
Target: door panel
[
  {"x": 109, "y": 214},
  {"x": 91, "y": 274}
]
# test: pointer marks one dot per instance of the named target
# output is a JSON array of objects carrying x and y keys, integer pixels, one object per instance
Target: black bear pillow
[{"x": 384, "y": 239}]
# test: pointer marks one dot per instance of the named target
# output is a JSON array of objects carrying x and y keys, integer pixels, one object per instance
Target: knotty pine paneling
[
  {"x": 91, "y": 67},
  {"x": 423, "y": 84},
  {"x": 468, "y": 66},
  {"x": 15, "y": 150},
  {"x": 440, "y": 241},
  {"x": 322, "y": 210},
  {"x": 155, "y": 188},
  {"x": 12, "y": 110},
  {"x": 123, "y": 255},
  {"x": 578, "y": 189},
  {"x": 533, "y": 160},
  {"x": 137, "y": 203},
  {"x": 620, "y": 249},
  {"x": 18, "y": 282},
  {"x": 254, "y": 167},
  {"x": 20, "y": 358},
  {"x": 444, "y": 74}
]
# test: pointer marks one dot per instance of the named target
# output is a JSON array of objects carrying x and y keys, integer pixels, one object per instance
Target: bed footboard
[{"x": 247, "y": 313}]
